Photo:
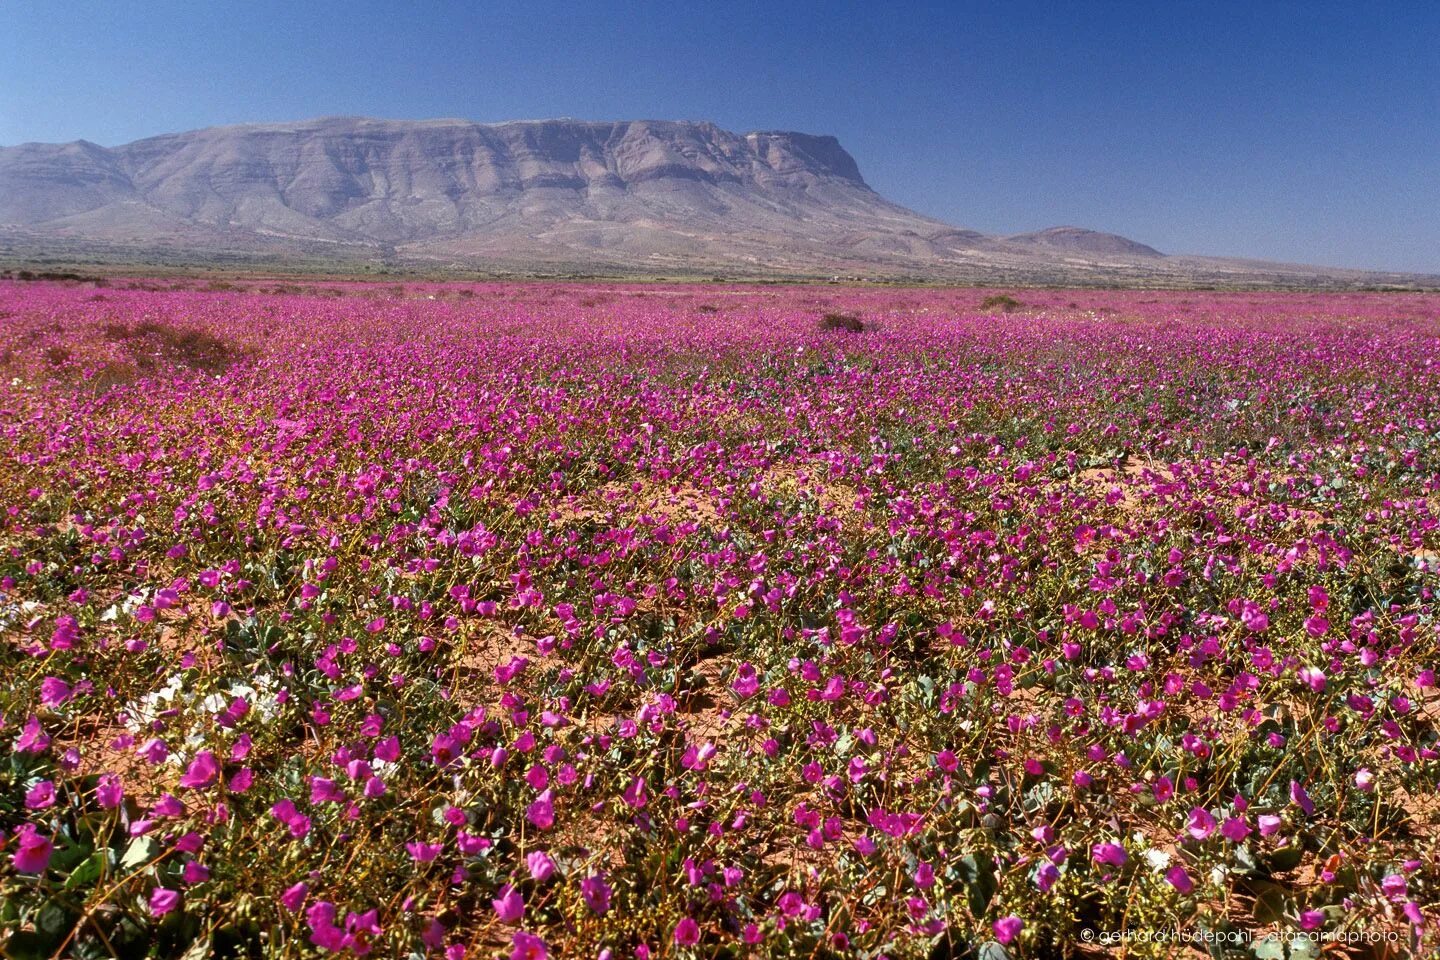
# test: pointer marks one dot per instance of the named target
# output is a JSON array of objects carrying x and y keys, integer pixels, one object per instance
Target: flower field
[{"x": 475, "y": 620}]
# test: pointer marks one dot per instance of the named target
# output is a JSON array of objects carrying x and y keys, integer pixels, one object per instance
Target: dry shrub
[
  {"x": 153, "y": 345},
  {"x": 842, "y": 321},
  {"x": 1002, "y": 302}
]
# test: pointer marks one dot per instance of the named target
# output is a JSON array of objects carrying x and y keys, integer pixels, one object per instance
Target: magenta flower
[
  {"x": 1235, "y": 829},
  {"x": 527, "y": 946},
  {"x": 203, "y": 771},
  {"x": 1007, "y": 928},
  {"x": 924, "y": 876},
  {"x": 294, "y": 897},
  {"x": 40, "y": 796},
  {"x": 33, "y": 738},
  {"x": 747, "y": 681},
  {"x": 32, "y": 850},
  {"x": 1179, "y": 879},
  {"x": 541, "y": 811},
  {"x": 596, "y": 894},
  {"x": 634, "y": 795},
  {"x": 241, "y": 780},
  {"x": 687, "y": 932},
  {"x": 542, "y": 868},
  {"x": 509, "y": 906},
  {"x": 162, "y": 901},
  {"x": 1201, "y": 823},
  {"x": 1108, "y": 854},
  {"x": 1300, "y": 798},
  {"x": 109, "y": 791},
  {"x": 423, "y": 852},
  {"x": 55, "y": 692}
]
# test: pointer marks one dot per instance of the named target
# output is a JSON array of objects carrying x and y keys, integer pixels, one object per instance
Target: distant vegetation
[
  {"x": 1002, "y": 302},
  {"x": 842, "y": 321}
]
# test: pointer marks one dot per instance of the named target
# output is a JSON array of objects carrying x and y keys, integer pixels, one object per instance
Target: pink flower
[
  {"x": 424, "y": 852},
  {"x": 634, "y": 794},
  {"x": 746, "y": 683},
  {"x": 527, "y": 946},
  {"x": 33, "y": 738},
  {"x": 242, "y": 779},
  {"x": 541, "y": 812},
  {"x": 202, "y": 772},
  {"x": 154, "y": 751},
  {"x": 596, "y": 894},
  {"x": 1235, "y": 829},
  {"x": 1007, "y": 928},
  {"x": 324, "y": 790},
  {"x": 40, "y": 796},
  {"x": 1201, "y": 824},
  {"x": 32, "y": 850},
  {"x": 1300, "y": 798},
  {"x": 509, "y": 906},
  {"x": 542, "y": 868},
  {"x": 55, "y": 692},
  {"x": 294, "y": 898},
  {"x": 162, "y": 901},
  {"x": 687, "y": 932},
  {"x": 1253, "y": 617},
  {"x": 109, "y": 791},
  {"x": 1109, "y": 854},
  {"x": 1179, "y": 879}
]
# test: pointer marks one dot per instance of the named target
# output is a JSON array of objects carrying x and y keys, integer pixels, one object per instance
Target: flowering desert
[{"x": 569, "y": 620}]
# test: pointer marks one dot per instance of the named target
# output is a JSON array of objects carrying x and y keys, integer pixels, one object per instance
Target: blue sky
[{"x": 1307, "y": 132}]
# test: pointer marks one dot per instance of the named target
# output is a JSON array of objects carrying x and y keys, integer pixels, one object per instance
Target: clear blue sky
[{"x": 1296, "y": 131}]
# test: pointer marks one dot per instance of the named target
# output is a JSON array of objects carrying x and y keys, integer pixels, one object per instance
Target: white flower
[{"x": 1159, "y": 860}]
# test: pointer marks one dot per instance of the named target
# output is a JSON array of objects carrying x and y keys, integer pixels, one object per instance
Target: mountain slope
[{"x": 639, "y": 195}]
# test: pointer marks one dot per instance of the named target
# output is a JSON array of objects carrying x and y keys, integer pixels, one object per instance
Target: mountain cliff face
[
  {"x": 567, "y": 194},
  {"x": 390, "y": 182}
]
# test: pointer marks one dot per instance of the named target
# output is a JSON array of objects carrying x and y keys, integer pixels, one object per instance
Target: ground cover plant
[{"x": 641, "y": 621}]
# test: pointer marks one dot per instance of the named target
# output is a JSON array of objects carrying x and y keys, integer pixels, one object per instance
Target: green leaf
[
  {"x": 992, "y": 950},
  {"x": 1270, "y": 948},
  {"x": 140, "y": 851},
  {"x": 980, "y": 883},
  {"x": 87, "y": 872},
  {"x": 53, "y": 920},
  {"x": 29, "y": 945},
  {"x": 1286, "y": 858}
]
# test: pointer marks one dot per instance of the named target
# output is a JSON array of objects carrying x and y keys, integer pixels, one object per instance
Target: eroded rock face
[{"x": 407, "y": 181}]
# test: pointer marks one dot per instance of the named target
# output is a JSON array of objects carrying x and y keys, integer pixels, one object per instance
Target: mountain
[
  {"x": 639, "y": 196},
  {"x": 1078, "y": 240}
]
